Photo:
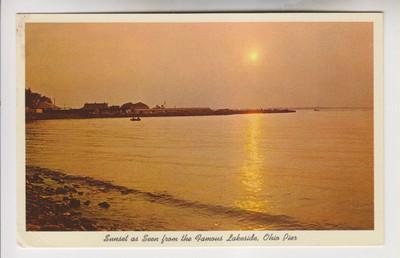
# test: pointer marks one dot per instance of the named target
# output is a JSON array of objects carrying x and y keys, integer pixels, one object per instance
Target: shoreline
[
  {"x": 74, "y": 114},
  {"x": 56, "y": 201}
]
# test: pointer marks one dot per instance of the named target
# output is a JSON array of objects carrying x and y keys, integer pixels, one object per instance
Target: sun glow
[{"x": 254, "y": 56}]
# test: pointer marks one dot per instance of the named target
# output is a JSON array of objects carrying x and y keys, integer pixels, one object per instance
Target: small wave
[{"x": 276, "y": 222}]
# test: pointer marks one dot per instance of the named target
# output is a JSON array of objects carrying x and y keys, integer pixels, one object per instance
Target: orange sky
[{"x": 238, "y": 65}]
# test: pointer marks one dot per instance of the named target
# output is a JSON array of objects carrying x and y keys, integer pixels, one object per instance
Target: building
[
  {"x": 45, "y": 107},
  {"x": 95, "y": 108},
  {"x": 162, "y": 111},
  {"x": 114, "y": 109},
  {"x": 133, "y": 107}
]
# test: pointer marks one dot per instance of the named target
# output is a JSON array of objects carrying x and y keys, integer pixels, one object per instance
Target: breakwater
[{"x": 82, "y": 114}]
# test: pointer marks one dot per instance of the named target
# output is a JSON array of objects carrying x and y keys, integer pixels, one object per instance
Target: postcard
[{"x": 205, "y": 129}]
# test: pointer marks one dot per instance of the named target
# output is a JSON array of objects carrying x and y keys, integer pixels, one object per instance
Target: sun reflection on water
[{"x": 250, "y": 174}]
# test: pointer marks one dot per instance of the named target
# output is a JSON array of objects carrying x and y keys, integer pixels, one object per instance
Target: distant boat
[
  {"x": 135, "y": 119},
  {"x": 316, "y": 109}
]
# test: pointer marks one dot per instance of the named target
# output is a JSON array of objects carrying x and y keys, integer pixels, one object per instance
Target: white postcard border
[{"x": 314, "y": 238}]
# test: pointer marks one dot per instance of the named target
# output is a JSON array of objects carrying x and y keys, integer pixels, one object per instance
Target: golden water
[{"x": 315, "y": 167}]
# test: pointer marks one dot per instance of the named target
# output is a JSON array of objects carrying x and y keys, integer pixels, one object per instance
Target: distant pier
[{"x": 153, "y": 112}]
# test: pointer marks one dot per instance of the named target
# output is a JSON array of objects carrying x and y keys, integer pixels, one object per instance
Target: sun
[{"x": 254, "y": 56}]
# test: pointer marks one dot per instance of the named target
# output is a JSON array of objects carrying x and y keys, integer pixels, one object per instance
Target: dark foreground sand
[{"x": 59, "y": 202}]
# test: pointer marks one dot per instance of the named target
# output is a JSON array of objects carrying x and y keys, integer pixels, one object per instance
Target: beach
[{"x": 60, "y": 202}]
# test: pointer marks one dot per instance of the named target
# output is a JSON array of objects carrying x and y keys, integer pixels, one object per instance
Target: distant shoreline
[{"x": 73, "y": 114}]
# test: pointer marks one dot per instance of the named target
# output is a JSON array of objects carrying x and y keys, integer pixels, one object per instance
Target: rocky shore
[
  {"x": 56, "y": 201},
  {"x": 59, "y": 202}
]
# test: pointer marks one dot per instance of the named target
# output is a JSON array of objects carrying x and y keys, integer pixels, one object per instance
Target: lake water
[{"x": 230, "y": 172}]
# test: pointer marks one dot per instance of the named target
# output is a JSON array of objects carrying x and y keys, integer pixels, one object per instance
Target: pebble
[
  {"x": 74, "y": 203},
  {"x": 104, "y": 205}
]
